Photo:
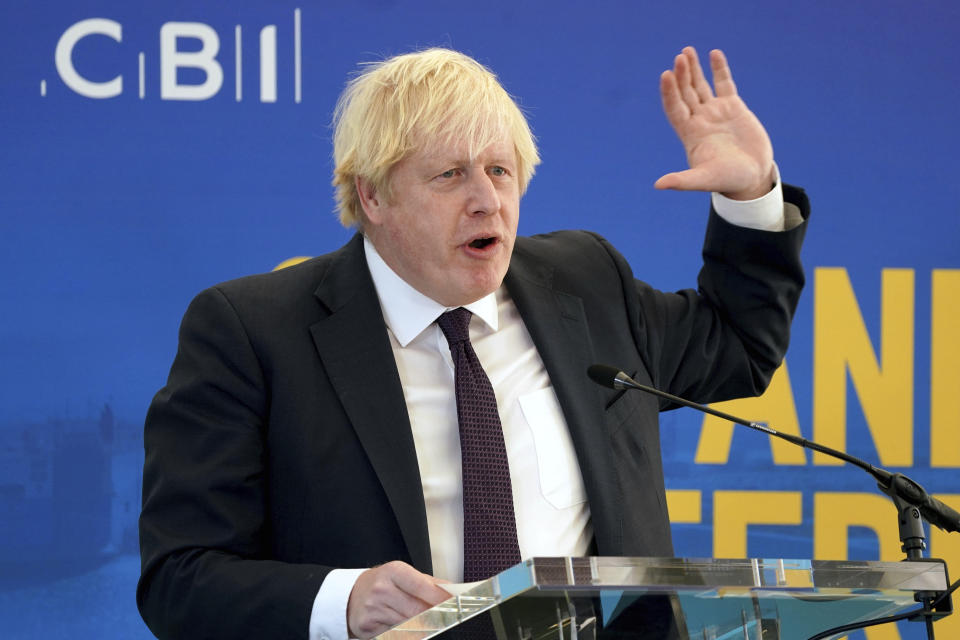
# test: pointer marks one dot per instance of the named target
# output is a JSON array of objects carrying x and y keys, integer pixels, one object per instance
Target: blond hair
[{"x": 396, "y": 106}]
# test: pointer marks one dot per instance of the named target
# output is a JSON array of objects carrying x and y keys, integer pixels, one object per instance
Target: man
[{"x": 304, "y": 469}]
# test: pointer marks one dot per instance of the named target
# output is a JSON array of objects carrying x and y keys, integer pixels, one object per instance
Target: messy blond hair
[{"x": 404, "y": 102}]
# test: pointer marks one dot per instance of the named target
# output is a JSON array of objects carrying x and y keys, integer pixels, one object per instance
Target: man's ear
[{"x": 370, "y": 199}]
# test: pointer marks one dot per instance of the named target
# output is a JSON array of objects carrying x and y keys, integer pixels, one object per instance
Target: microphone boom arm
[
  {"x": 909, "y": 497},
  {"x": 895, "y": 485}
]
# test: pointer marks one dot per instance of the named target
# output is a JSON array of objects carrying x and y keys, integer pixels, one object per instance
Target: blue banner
[{"x": 152, "y": 149}]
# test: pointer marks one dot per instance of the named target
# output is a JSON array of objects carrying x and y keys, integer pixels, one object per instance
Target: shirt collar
[{"x": 408, "y": 312}]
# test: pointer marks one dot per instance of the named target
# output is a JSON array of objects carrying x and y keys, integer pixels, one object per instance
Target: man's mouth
[{"x": 482, "y": 243}]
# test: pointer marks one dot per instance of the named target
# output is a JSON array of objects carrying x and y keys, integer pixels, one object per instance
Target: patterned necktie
[{"x": 489, "y": 524}]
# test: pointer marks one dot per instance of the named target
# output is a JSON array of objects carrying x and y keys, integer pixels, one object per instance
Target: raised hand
[{"x": 728, "y": 150}]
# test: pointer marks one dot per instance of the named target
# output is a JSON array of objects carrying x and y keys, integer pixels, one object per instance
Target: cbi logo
[{"x": 203, "y": 62}]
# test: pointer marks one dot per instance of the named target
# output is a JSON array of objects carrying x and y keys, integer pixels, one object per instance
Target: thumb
[{"x": 689, "y": 180}]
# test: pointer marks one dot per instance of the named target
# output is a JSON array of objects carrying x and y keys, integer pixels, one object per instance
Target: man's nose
[{"x": 484, "y": 197}]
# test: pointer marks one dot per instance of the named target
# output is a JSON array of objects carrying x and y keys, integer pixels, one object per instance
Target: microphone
[
  {"x": 610, "y": 377},
  {"x": 613, "y": 378},
  {"x": 895, "y": 485}
]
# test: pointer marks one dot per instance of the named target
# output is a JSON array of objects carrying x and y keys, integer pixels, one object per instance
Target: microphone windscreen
[{"x": 603, "y": 374}]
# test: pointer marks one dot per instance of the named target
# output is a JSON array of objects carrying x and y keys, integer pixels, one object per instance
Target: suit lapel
[
  {"x": 355, "y": 350},
  {"x": 558, "y": 326}
]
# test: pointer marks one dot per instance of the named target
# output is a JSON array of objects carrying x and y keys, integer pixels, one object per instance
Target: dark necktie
[{"x": 489, "y": 524}]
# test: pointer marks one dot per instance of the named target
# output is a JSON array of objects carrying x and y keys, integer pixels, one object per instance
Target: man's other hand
[
  {"x": 387, "y": 595},
  {"x": 728, "y": 150}
]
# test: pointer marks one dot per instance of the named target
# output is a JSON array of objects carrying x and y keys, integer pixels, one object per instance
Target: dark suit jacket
[{"x": 280, "y": 447}]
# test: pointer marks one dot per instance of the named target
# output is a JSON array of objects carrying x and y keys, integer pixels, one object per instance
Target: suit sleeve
[
  {"x": 205, "y": 567},
  {"x": 726, "y": 338}
]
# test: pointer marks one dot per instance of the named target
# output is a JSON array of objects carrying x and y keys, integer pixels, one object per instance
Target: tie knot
[{"x": 455, "y": 325}]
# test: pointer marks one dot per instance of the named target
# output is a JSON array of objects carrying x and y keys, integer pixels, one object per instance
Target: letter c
[{"x": 63, "y": 58}]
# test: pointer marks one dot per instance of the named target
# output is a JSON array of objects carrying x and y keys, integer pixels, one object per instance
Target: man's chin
[{"x": 473, "y": 290}]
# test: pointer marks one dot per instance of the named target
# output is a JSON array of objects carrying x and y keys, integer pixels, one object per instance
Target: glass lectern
[{"x": 699, "y": 599}]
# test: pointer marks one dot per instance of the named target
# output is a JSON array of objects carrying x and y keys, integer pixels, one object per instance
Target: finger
[
  {"x": 722, "y": 77},
  {"x": 681, "y": 69},
  {"x": 418, "y": 585},
  {"x": 674, "y": 107},
  {"x": 402, "y": 607},
  {"x": 369, "y": 631},
  {"x": 398, "y": 606},
  {"x": 378, "y": 613},
  {"x": 689, "y": 180},
  {"x": 375, "y": 621},
  {"x": 697, "y": 79}
]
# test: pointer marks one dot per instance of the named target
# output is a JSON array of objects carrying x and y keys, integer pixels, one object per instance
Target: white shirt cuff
[
  {"x": 765, "y": 213},
  {"x": 328, "y": 619}
]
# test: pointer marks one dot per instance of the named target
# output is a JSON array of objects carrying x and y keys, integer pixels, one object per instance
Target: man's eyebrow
[
  {"x": 445, "y": 159},
  {"x": 464, "y": 161}
]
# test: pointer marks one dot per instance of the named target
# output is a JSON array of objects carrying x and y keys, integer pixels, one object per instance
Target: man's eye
[
  {"x": 498, "y": 171},
  {"x": 449, "y": 173}
]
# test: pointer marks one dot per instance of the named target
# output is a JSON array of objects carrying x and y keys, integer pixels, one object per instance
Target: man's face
[{"x": 450, "y": 224}]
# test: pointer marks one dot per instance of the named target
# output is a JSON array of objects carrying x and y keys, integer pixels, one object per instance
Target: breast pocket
[
  {"x": 624, "y": 410},
  {"x": 560, "y": 480}
]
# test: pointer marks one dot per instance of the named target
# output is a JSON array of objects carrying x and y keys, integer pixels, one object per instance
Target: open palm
[{"x": 728, "y": 150}]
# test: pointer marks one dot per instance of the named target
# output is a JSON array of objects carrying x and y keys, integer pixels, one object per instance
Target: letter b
[{"x": 205, "y": 59}]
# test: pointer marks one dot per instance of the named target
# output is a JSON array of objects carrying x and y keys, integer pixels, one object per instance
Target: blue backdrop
[{"x": 148, "y": 150}]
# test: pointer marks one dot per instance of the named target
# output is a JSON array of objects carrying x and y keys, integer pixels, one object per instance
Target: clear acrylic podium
[{"x": 656, "y": 598}]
